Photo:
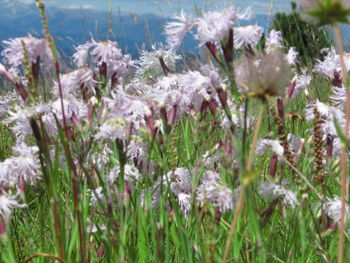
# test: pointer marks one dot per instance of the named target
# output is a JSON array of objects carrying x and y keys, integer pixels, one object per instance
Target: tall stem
[
  {"x": 240, "y": 201},
  {"x": 343, "y": 163}
]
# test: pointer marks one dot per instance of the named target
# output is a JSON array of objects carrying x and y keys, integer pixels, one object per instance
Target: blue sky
[{"x": 168, "y": 7}]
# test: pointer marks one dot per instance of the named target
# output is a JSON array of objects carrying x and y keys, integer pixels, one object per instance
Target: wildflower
[
  {"x": 112, "y": 129},
  {"x": 322, "y": 108},
  {"x": 131, "y": 174},
  {"x": 19, "y": 118},
  {"x": 73, "y": 108},
  {"x": 176, "y": 31},
  {"x": 7, "y": 204},
  {"x": 332, "y": 208},
  {"x": 264, "y": 144},
  {"x": 331, "y": 65},
  {"x": 215, "y": 26},
  {"x": 302, "y": 83},
  {"x": 184, "y": 201},
  {"x": 96, "y": 195},
  {"x": 339, "y": 97},
  {"x": 107, "y": 55},
  {"x": 150, "y": 65},
  {"x": 274, "y": 40},
  {"x": 291, "y": 56},
  {"x": 22, "y": 168},
  {"x": 181, "y": 180},
  {"x": 137, "y": 150},
  {"x": 247, "y": 35},
  {"x": 81, "y": 55},
  {"x": 216, "y": 194},
  {"x": 77, "y": 80},
  {"x": 263, "y": 78},
  {"x": 211, "y": 27},
  {"x": 213, "y": 74},
  {"x": 36, "y": 48},
  {"x": 272, "y": 190}
]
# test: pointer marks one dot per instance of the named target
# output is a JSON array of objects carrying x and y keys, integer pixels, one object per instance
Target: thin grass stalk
[
  {"x": 343, "y": 163},
  {"x": 75, "y": 177},
  {"x": 46, "y": 161},
  {"x": 239, "y": 204}
]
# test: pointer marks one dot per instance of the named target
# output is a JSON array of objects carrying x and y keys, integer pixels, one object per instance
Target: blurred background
[{"x": 134, "y": 24}]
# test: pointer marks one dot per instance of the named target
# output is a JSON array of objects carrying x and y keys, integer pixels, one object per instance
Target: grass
[{"x": 136, "y": 234}]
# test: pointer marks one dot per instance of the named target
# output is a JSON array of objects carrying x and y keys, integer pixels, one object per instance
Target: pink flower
[
  {"x": 37, "y": 48},
  {"x": 247, "y": 35}
]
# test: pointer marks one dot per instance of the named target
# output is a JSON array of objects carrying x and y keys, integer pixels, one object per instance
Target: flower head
[
  {"x": 36, "y": 48},
  {"x": 274, "y": 40},
  {"x": 7, "y": 204},
  {"x": 176, "y": 31},
  {"x": 332, "y": 208},
  {"x": 265, "y": 77},
  {"x": 272, "y": 190},
  {"x": 326, "y": 12},
  {"x": 247, "y": 35}
]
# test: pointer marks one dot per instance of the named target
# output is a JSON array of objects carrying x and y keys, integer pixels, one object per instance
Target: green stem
[{"x": 240, "y": 201}]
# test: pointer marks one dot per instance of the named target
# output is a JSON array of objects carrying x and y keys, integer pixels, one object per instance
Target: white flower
[
  {"x": 96, "y": 195},
  {"x": 184, "y": 201},
  {"x": 271, "y": 190},
  {"x": 81, "y": 55},
  {"x": 210, "y": 177},
  {"x": 107, "y": 53},
  {"x": 150, "y": 65},
  {"x": 76, "y": 81},
  {"x": 331, "y": 64},
  {"x": 328, "y": 114},
  {"x": 216, "y": 194},
  {"x": 137, "y": 150},
  {"x": 264, "y": 144},
  {"x": 322, "y": 108},
  {"x": 213, "y": 74},
  {"x": 215, "y": 26},
  {"x": 176, "y": 31},
  {"x": 302, "y": 83},
  {"x": 111, "y": 130},
  {"x": 339, "y": 97},
  {"x": 274, "y": 40},
  {"x": 7, "y": 101},
  {"x": 22, "y": 168},
  {"x": 181, "y": 180},
  {"x": 332, "y": 208},
  {"x": 73, "y": 108},
  {"x": 131, "y": 174},
  {"x": 14, "y": 55},
  {"x": 247, "y": 35},
  {"x": 211, "y": 27},
  {"x": 291, "y": 56},
  {"x": 19, "y": 118},
  {"x": 7, "y": 204}
]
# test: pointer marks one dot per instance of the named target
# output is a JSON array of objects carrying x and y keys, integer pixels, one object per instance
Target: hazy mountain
[{"x": 74, "y": 26}]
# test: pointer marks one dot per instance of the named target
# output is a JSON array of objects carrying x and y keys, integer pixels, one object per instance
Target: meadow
[{"x": 240, "y": 157}]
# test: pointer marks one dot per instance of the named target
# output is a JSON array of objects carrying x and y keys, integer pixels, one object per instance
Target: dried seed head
[{"x": 265, "y": 77}]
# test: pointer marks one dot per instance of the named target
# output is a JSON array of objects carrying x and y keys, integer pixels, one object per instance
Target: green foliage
[
  {"x": 6, "y": 143},
  {"x": 330, "y": 12},
  {"x": 307, "y": 38}
]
